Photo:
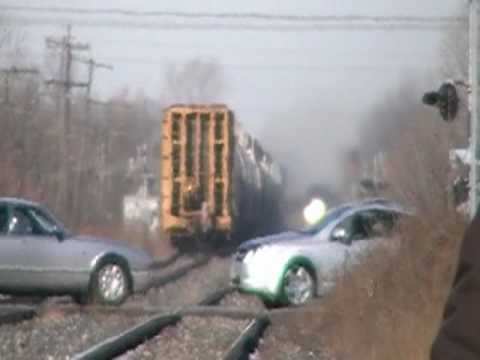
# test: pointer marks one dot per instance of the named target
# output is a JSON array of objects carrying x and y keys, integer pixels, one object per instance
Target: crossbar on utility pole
[{"x": 473, "y": 105}]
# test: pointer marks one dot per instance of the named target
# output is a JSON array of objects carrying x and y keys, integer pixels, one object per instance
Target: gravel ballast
[
  {"x": 195, "y": 338},
  {"x": 243, "y": 301},
  {"x": 192, "y": 287},
  {"x": 56, "y": 335},
  {"x": 287, "y": 338},
  {"x": 163, "y": 272}
]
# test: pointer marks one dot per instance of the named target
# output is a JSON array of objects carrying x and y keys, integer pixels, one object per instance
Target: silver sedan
[
  {"x": 292, "y": 267},
  {"x": 38, "y": 256}
]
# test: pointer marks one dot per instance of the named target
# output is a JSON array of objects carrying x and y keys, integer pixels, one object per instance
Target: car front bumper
[{"x": 261, "y": 282}]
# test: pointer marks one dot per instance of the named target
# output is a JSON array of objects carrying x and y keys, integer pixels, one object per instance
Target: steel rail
[
  {"x": 15, "y": 314},
  {"x": 139, "y": 334},
  {"x": 248, "y": 340}
]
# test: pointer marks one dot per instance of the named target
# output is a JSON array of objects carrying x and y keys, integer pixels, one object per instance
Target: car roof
[
  {"x": 17, "y": 201},
  {"x": 377, "y": 203}
]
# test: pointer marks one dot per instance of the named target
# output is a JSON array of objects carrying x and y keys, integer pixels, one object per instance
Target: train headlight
[{"x": 314, "y": 211}]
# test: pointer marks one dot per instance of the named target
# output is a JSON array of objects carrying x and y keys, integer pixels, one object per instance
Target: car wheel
[
  {"x": 298, "y": 286},
  {"x": 110, "y": 284}
]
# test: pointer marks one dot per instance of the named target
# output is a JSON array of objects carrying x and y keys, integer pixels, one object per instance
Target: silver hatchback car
[
  {"x": 38, "y": 256},
  {"x": 292, "y": 267}
]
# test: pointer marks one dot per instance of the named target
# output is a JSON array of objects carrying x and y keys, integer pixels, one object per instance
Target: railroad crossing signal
[{"x": 445, "y": 99}]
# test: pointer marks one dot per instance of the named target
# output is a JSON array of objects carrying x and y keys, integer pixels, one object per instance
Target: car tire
[
  {"x": 269, "y": 304},
  {"x": 81, "y": 299},
  {"x": 298, "y": 285},
  {"x": 110, "y": 283}
]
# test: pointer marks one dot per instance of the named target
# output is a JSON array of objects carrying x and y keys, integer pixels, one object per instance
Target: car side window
[
  {"x": 364, "y": 225},
  {"x": 350, "y": 229},
  {"x": 3, "y": 220},
  {"x": 42, "y": 219},
  {"x": 21, "y": 223},
  {"x": 379, "y": 223}
]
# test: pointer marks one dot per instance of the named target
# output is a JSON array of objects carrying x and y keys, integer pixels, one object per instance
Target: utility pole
[
  {"x": 66, "y": 46},
  {"x": 473, "y": 105},
  {"x": 92, "y": 65},
  {"x": 100, "y": 158},
  {"x": 87, "y": 134}
]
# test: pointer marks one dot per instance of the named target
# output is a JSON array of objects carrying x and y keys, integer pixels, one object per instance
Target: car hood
[{"x": 284, "y": 237}]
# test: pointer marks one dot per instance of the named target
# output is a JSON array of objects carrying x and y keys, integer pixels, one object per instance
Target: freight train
[{"x": 215, "y": 177}]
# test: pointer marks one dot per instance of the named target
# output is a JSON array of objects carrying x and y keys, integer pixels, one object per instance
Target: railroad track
[
  {"x": 24, "y": 319},
  {"x": 248, "y": 340},
  {"x": 143, "y": 332},
  {"x": 133, "y": 324},
  {"x": 163, "y": 279},
  {"x": 148, "y": 334},
  {"x": 146, "y": 324},
  {"x": 15, "y": 310},
  {"x": 14, "y": 314}
]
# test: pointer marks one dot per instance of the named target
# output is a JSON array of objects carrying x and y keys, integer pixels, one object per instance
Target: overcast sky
[{"x": 339, "y": 75}]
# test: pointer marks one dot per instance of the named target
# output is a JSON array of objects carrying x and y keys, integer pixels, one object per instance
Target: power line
[
  {"x": 228, "y": 47},
  {"x": 258, "y": 67},
  {"x": 277, "y": 67},
  {"x": 224, "y": 26},
  {"x": 254, "y": 67},
  {"x": 237, "y": 16},
  {"x": 323, "y": 68},
  {"x": 271, "y": 68}
]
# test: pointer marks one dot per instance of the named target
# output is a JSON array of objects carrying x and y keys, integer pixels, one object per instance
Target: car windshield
[{"x": 324, "y": 221}]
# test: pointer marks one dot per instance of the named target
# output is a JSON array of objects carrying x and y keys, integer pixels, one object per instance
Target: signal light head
[{"x": 445, "y": 99}]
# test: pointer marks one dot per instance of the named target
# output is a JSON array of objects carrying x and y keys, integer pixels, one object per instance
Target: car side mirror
[
  {"x": 339, "y": 234},
  {"x": 58, "y": 233}
]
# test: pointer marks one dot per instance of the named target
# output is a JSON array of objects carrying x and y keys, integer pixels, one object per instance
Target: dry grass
[
  {"x": 389, "y": 306},
  {"x": 392, "y": 304}
]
